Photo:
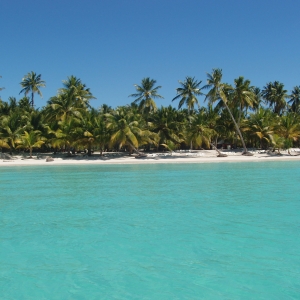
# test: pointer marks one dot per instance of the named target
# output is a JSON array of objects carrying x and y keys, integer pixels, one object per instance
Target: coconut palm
[
  {"x": 31, "y": 83},
  {"x": 11, "y": 128},
  {"x": 295, "y": 99},
  {"x": 89, "y": 131},
  {"x": 275, "y": 95},
  {"x": 258, "y": 101},
  {"x": 2, "y": 87},
  {"x": 24, "y": 103},
  {"x": 243, "y": 96},
  {"x": 199, "y": 132},
  {"x": 30, "y": 140},
  {"x": 261, "y": 125},
  {"x": 68, "y": 133},
  {"x": 3, "y": 143},
  {"x": 100, "y": 131},
  {"x": 62, "y": 107},
  {"x": 127, "y": 130},
  {"x": 71, "y": 101},
  {"x": 289, "y": 129},
  {"x": 220, "y": 91},
  {"x": 77, "y": 91},
  {"x": 277, "y": 142},
  {"x": 146, "y": 93},
  {"x": 164, "y": 122},
  {"x": 188, "y": 92}
]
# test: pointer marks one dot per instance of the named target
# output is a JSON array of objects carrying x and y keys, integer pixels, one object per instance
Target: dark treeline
[{"x": 239, "y": 115}]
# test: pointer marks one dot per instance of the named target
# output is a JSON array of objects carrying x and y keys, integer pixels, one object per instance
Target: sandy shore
[{"x": 205, "y": 156}]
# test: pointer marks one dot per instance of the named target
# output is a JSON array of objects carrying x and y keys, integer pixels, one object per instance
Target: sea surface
[{"x": 165, "y": 231}]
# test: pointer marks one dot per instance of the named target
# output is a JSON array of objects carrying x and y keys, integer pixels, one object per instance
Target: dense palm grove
[{"x": 240, "y": 115}]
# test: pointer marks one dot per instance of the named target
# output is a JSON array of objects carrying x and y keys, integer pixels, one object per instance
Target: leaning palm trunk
[
  {"x": 220, "y": 153},
  {"x": 136, "y": 150},
  {"x": 245, "y": 152}
]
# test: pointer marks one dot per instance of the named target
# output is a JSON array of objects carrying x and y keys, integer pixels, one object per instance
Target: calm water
[{"x": 207, "y": 231}]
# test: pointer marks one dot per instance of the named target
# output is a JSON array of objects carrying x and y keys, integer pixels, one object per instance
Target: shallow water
[{"x": 165, "y": 231}]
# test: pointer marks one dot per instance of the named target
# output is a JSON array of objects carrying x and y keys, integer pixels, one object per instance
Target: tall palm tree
[
  {"x": 295, "y": 99},
  {"x": 71, "y": 101},
  {"x": 219, "y": 91},
  {"x": 257, "y": 98},
  {"x": 275, "y": 95},
  {"x": 188, "y": 92},
  {"x": 2, "y": 87},
  {"x": 31, "y": 83},
  {"x": 243, "y": 95},
  {"x": 77, "y": 91},
  {"x": 146, "y": 93}
]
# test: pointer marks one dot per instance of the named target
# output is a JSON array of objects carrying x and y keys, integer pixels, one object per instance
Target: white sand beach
[{"x": 202, "y": 156}]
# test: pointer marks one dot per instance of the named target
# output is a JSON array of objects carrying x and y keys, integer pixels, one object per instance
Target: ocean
[{"x": 159, "y": 231}]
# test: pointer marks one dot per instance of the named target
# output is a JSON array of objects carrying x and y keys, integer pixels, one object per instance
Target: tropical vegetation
[{"x": 238, "y": 114}]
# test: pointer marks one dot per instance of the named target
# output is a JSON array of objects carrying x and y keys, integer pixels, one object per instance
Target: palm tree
[
  {"x": 275, "y": 94},
  {"x": 219, "y": 91},
  {"x": 190, "y": 88},
  {"x": 261, "y": 125},
  {"x": 30, "y": 140},
  {"x": 164, "y": 122},
  {"x": 277, "y": 142},
  {"x": 100, "y": 130},
  {"x": 188, "y": 93},
  {"x": 2, "y": 87},
  {"x": 199, "y": 132},
  {"x": 32, "y": 83},
  {"x": 67, "y": 135},
  {"x": 257, "y": 98},
  {"x": 127, "y": 130},
  {"x": 146, "y": 93},
  {"x": 295, "y": 99},
  {"x": 243, "y": 96},
  {"x": 289, "y": 129},
  {"x": 11, "y": 128},
  {"x": 77, "y": 91},
  {"x": 62, "y": 107}
]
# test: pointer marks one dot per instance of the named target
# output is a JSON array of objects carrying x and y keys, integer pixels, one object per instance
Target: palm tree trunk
[
  {"x": 30, "y": 152},
  {"x": 32, "y": 100},
  {"x": 189, "y": 111},
  {"x": 136, "y": 150},
  {"x": 220, "y": 154},
  {"x": 245, "y": 152}
]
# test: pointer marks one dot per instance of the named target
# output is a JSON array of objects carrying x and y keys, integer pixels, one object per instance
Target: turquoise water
[{"x": 178, "y": 231}]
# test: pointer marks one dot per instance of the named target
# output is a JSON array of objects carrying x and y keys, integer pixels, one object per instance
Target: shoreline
[{"x": 199, "y": 157}]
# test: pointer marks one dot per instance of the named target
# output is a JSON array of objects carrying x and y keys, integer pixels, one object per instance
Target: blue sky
[{"x": 113, "y": 44}]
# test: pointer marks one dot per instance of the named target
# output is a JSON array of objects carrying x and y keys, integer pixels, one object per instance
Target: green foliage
[
  {"x": 235, "y": 114},
  {"x": 31, "y": 83}
]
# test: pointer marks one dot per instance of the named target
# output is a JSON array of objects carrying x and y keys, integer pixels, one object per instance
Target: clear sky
[{"x": 111, "y": 45}]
